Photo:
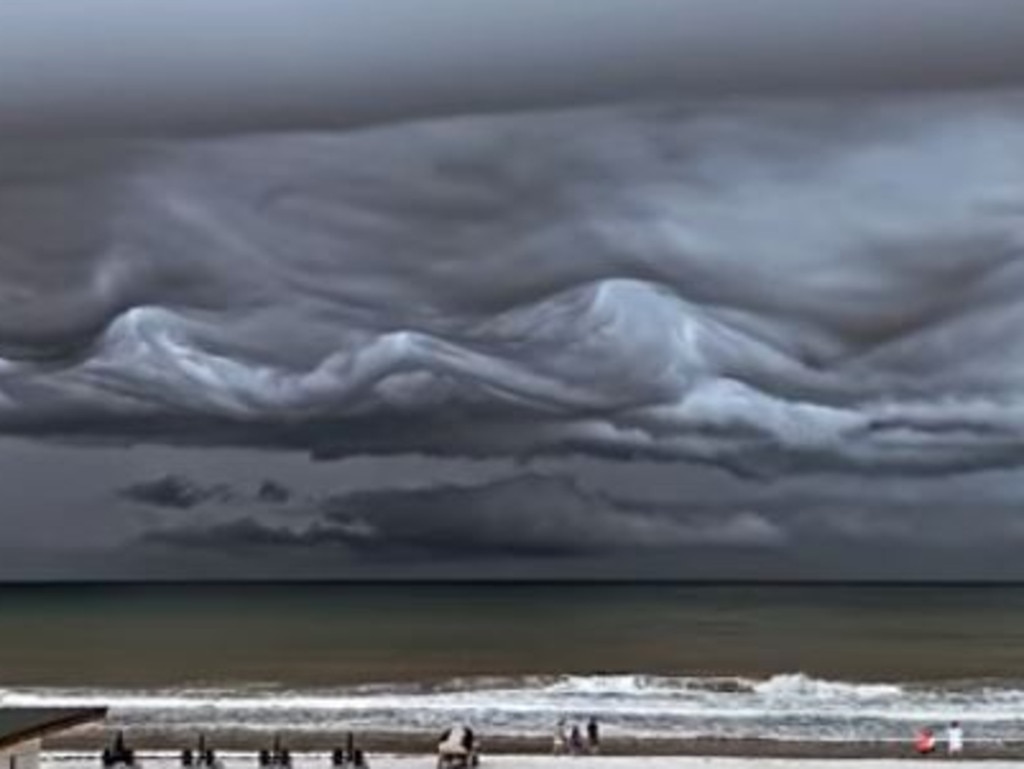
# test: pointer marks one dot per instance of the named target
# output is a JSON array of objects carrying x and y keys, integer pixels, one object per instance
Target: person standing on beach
[
  {"x": 593, "y": 739},
  {"x": 561, "y": 741},
  {"x": 954, "y": 739},
  {"x": 924, "y": 742},
  {"x": 576, "y": 741}
]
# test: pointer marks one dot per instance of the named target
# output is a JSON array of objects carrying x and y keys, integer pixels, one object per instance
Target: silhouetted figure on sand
[
  {"x": 576, "y": 741},
  {"x": 593, "y": 737}
]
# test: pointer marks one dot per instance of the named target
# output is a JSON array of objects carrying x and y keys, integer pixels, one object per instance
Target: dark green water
[{"x": 336, "y": 634}]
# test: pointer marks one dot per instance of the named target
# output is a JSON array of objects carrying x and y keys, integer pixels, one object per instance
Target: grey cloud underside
[
  {"x": 768, "y": 287},
  {"x": 173, "y": 491},
  {"x": 817, "y": 530},
  {"x": 531, "y": 516}
]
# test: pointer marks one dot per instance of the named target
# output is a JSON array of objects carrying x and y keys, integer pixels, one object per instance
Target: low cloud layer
[
  {"x": 768, "y": 288},
  {"x": 176, "y": 492},
  {"x": 535, "y": 524},
  {"x": 179, "y": 492},
  {"x": 526, "y": 517}
]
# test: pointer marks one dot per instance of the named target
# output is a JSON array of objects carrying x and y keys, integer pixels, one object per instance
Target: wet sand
[{"x": 426, "y": 761}]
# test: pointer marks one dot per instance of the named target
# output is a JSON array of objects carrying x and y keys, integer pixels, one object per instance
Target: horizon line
[{"x": 508, "y": 581}]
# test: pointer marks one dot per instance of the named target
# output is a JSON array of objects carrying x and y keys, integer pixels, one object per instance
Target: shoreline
[{"x": 422, "y": 743}]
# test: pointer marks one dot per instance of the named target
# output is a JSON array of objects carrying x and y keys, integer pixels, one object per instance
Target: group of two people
[
  {"x": 925, "y": 744},
  {"x": 349, "y": 756},
  {"x": 572, "y": 741}
]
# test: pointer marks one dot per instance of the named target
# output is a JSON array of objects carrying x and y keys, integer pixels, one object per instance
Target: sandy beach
[
  {"x": 241, "y": 745},
  {"x": 426, "y": 761}
]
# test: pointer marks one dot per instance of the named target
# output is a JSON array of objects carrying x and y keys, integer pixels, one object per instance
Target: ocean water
[{"x": 784, "y": 662}]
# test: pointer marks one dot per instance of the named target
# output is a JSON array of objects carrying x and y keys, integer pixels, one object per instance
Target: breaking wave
[{"x": 783, "y": 707}]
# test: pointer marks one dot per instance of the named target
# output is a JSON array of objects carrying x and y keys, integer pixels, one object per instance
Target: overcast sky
[
  {"x": 74, "y": 66},
  {"x": 776, "y": 334}
]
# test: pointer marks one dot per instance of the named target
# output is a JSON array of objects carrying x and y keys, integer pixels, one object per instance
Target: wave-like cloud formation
[{"x": 762, "y": 286}]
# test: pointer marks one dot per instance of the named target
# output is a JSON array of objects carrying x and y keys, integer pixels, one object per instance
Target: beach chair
[
  {"x": 202, "y": 757},
  {"x": 342, "y": 757},
  {"x": 278, "y": 757},
  {"x": 118, "y": 754}
]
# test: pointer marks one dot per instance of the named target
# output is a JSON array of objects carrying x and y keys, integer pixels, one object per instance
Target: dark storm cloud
[
  {"x": 797, "y": 292},
  {"x": 530, "y": 516},
  {"x": 533, "y": 515},
  {"x": 177, "y": 491},
  {"x": 771, "y": 288},
  {"x": 174, "y": 491},
  {"x": 273, "y": 492},
  {"x": 536, "y": 524},
  {"x": 117, "y": 65},
  {"x": 238, "y": 534}
]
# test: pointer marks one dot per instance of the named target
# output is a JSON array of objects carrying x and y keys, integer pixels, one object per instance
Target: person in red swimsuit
[{"x": 924, "y": 742}]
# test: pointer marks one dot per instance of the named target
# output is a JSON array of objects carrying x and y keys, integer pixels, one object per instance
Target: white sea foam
[{"x": 782, "y": 707}]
